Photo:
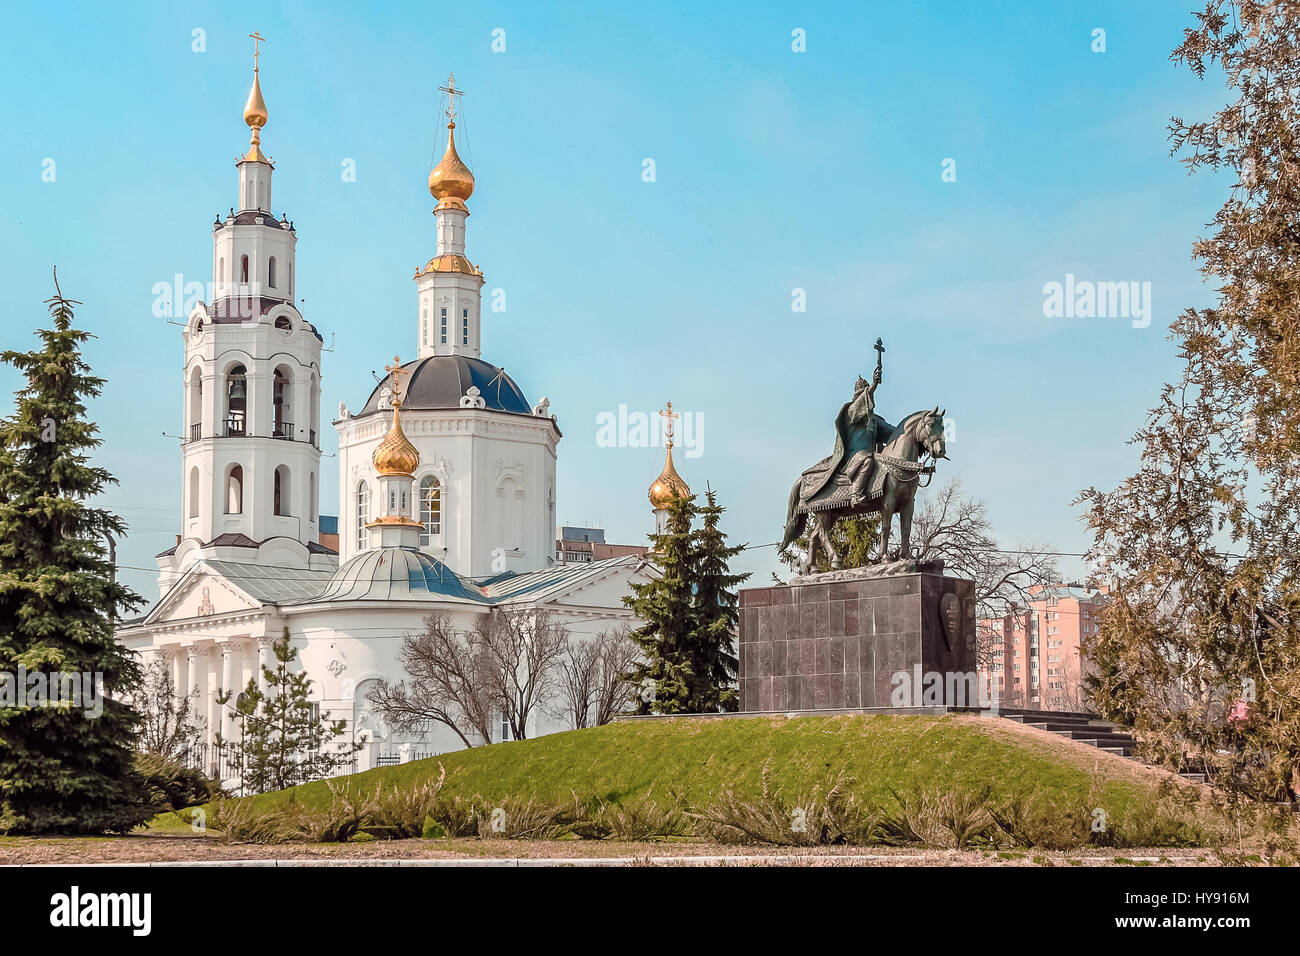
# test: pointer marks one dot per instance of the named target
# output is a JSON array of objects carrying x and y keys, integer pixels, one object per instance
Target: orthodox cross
[
  {"x": 257, "y": 38},
  {"x": 452, "y": 93},
  {"x": 668, "y": 416},
  {"x": 397, "y": 372},
  {"x": 880, "y": 353}
]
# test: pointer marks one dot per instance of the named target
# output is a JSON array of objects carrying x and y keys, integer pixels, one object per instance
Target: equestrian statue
[{"x": 875, "y": 466}]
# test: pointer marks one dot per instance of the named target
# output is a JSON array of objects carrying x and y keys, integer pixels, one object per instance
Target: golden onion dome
[
  {"x": 255, "y": 114},
  {"x": 668, "y": 485},
  {"x": 451, "y": 178},
  {"x": 395, "y": 454}
]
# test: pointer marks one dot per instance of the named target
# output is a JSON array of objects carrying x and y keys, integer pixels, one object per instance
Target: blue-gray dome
[
  {"x": 395, "y": 574},
  {"x": 439, "y": 381}
]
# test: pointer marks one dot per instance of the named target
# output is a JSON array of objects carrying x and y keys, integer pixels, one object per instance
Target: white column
[
  {"x": 263, "y": 660},
  {"x": 191, "y": 672},
  {"x": 178, "y": 672},
  {"x": 214, "y": 709},
  {"x": 227, "y": 686}
]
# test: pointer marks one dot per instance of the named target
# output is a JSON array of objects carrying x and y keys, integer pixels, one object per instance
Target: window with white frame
[
  {"x": 430, "y": 509},
  {"x": 363, "y": 514}
]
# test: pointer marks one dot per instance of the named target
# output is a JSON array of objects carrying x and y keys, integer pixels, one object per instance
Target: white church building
[{"x": 446, "y": 483}]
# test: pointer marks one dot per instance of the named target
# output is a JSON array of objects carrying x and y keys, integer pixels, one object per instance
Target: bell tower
[
  {"x": 449, "y": 286},
  {"x": 250, "y": 449}
]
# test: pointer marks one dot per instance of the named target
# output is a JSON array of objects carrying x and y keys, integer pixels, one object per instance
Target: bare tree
[
  {"x": 578, "y": 681},
  {"x": 614, "y": 660},
  {"x": 448, "y": 684},
  {"x": 957, "y": 529},
  {"x": 524, "y": 648},
  {"x": 592, "y": 684},
  {"x": 504, "y": 669},
  {"x": 170, "y": 724},
  {"x": 1064, "y": 689}
]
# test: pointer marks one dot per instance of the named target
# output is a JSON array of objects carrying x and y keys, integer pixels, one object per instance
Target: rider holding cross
[{"x": 859, "y": 432}]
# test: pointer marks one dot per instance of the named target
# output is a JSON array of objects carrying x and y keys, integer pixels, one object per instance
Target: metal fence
[{"x": 222, "y": 763}]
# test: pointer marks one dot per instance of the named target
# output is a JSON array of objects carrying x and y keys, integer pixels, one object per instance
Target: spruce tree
[
  {"x": 712, "y": 647},
  {"x": 285, "y": 740},
  {"x": 664, "y": 678},
  {"x": 62, "y": 770}
]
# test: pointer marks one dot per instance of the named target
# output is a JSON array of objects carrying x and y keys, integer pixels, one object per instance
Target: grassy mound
[{"x": 701, "y": 760}]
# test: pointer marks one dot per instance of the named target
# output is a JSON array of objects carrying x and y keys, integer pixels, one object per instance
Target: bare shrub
[
  {"x": 400, "y": 814},
  {"x": 644, "y": 818},
  {"x": 516, "y": 819},
  {"x": 813, "y": 819},
  {"x": 337, "y": 822},
  {"x": 238, "y": 821}
]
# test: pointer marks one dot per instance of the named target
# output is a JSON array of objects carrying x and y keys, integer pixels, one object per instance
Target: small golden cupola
[
  {"x": 669, "y": 484},
  {"x": 450, "y": 180},
  {"x": 396, "y": 456},
  {"x": 395, "y": 461},
  {"x": 255, "y": 114}
]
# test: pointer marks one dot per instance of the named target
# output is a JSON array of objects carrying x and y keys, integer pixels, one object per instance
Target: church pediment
[{"x": 201, "y": 593}]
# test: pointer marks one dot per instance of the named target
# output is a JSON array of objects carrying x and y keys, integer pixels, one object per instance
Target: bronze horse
[{"x": 897, "y": 472}]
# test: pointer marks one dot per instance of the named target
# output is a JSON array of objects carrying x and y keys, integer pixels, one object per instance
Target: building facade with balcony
[{"x": 1033, "y": 652}]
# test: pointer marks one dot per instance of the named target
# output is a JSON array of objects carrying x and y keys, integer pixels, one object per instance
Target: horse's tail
[{"x": 793, "y": 522}]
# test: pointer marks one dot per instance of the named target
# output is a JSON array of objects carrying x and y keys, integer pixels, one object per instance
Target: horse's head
[{"x": 929, "y": 432}]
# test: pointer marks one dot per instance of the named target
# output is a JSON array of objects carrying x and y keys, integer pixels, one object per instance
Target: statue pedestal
[{"x": 845, "y": 644}]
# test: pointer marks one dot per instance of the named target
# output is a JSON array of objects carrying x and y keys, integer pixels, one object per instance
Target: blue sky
[{"x": 775, "y": 171}]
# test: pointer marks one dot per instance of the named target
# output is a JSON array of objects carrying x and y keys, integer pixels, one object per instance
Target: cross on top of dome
[{"x": 452, "y": 93}]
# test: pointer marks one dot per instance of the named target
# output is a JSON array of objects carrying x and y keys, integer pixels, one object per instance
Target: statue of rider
[{"x": 859, "y": 434}]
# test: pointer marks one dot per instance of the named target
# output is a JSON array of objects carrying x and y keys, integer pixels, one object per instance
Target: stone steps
[{"x": 1088, "y": 729}]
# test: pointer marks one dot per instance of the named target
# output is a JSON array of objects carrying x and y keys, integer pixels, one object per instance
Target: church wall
[{"x": 474, "y": 453}]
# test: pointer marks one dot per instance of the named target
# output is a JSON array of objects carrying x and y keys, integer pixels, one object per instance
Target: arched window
[
  {"x": 363, "y": 514},
  {"x": 283, "y": 427},
  {"x": 314, "y": 405},
  {"x": 194, "y": 493},
  {"x": 270, "y": 272},
  {"x": 283, "y": 323},
  {"x": 235, "y": 490},
  {"x": 430, "y": 510},
  {"x": 243, "y": 269},
  {"x": 280, "y": 493},
  {"x": 236, "y": 400},
  {"x": 195, "y": 395}
]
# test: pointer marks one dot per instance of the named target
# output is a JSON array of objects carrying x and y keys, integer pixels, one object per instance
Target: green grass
[{"x": 699, "y": 758}]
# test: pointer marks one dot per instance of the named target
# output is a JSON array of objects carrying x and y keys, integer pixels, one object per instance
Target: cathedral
[{"x": 446, "y": 483}]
